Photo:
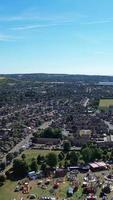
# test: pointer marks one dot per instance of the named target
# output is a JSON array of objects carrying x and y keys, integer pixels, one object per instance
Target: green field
[
  {"x": 105, "y": 103},
  {"x": 7, "y": 190},
  {"x": 34, "y": 153},
  {"x": 2, "y": 78}
]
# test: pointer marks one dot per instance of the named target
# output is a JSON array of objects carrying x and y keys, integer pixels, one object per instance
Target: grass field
[
  {"x": 105, "y": 103},
  {"x": 2, "y": 78},
  {"x": 34, "y": 153},
  {"x": 7, "y": 190}
]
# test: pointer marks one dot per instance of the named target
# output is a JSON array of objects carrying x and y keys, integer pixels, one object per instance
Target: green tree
[
  {"x": 43, "y": 167},
  {"x": 51, "y": 133},
  {"x": 61, "y": 156},
  {"x": 66, "y": 163},
  {"x": 74, "y": 157},
  {"x": 2, "y": 165},
  {"x": 20, "y": 168},
  {"x": 2, "y": 178},
  {"x": 39, "y": 159},
  {"x": 34, "y": 165},
  {"x": 111, "y": 156},
  {"x": 16, "y": 153},
  {"x": 23, "y": 156},
  {"x": 52, "y": 159},
  {"x": 97, "y": 153},
  {"x": 86, "y": 154},
  {"x": 9, "y": 157},
  {"x": 66, "y": 146}
]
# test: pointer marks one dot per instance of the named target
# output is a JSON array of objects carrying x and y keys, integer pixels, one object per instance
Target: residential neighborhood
[{"x": 61, "y": 136}]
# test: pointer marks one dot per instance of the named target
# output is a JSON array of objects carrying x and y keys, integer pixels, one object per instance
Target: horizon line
[{"x": 47, "y": 73}]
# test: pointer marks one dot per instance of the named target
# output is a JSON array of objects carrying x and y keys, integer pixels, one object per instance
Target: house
[{"x": 83, "y": 136}]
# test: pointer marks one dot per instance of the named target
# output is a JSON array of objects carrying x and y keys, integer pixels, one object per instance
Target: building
[
  {"x": 97, "y": 166},
  {"x": 48, "y": 141}
]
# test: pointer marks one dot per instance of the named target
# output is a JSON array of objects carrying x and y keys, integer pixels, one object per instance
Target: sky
[{"x": 56, "y": 36}]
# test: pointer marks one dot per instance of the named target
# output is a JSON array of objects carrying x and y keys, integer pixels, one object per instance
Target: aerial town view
[{"x": 56, "y": 99}]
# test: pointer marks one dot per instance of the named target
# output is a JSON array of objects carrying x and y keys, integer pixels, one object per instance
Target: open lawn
[
  {"x": 34, "y": 153},
  {"x": 7, "y": 190},
  {"x": 105, "y": 103}
]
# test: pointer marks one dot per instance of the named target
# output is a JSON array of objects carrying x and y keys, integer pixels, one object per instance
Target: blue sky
[{"x": 56, "y": 36}]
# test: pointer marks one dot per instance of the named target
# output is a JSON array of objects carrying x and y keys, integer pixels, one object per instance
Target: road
[{"x": 25, "y": 142}]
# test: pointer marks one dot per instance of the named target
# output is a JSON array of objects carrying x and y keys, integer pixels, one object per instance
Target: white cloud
[
  {"x": 7, "y": 38},
  {"x": 41, "y": 26},
  {"x": 30, "y": 27}
]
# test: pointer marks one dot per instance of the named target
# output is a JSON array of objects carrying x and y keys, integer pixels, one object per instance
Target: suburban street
[{"x": 25, "y": 142}]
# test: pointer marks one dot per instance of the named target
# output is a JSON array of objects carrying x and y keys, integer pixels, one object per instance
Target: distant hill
[
  {"x": 7, "y": 80},
  {"x": 58, "y": 78}
]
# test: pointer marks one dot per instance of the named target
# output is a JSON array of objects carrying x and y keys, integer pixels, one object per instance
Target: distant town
[{"x": 56, "y": 137}]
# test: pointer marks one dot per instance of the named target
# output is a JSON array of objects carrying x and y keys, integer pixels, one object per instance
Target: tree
[
  {"x": 61, "y": 156},
  {"x": 74, "y": 158},
  {"x": 111, "y": 156},
  {"x": 2, "y": 165},
  {"x": 34, "y": 165},
  {"x": 51, "y": 133},
  {"x": 52, "y": 159},
  {"x": 44, "y": 168},
  {"x": 39, "y": 159},
  {"x": 2, "y": 178},
  {"x": 66, "y": 163},
  {"x": 97, "y": 153},
  {"x": 16, "y": 153},
  {"x": 60, "y": 164},
  {"x": 66, "y": 146},
  {"x": 67, "y": 156},
  {"x": 86, "y": 154},
  {"x": 23, "y": 156},
  {"x": 9, "y": 157},
  {"x": 20, "y": 168}
]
